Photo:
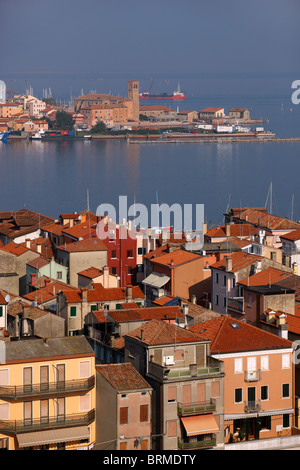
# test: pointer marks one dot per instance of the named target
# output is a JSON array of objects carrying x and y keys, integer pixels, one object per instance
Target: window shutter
[
  {"x": 200, "y": 355},
  {"x": 124, "y": 415},
  {"x": 4, "y": 377},
  {"x": 143, "y": 413},
  {"x": 84, "y": 369},
  {"x": 215, "y": 389}
]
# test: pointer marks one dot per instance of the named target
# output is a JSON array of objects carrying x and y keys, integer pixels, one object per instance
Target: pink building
[{"x": 123, "y": 408}]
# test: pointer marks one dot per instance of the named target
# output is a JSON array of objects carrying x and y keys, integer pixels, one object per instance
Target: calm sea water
[{"x": 53, "y": 177}]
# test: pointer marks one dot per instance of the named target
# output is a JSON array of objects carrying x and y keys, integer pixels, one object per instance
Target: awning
[
  {"x": 200, "y": 424},
  {"x": 156, "y": 280},
  {"x": 53, "y": 436}
]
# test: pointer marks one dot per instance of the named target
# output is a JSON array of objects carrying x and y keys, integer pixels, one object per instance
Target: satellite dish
[{"x": 7, "y": 298}]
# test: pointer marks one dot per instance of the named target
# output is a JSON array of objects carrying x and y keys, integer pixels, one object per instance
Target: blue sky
[{"x": 157, "y": 36}]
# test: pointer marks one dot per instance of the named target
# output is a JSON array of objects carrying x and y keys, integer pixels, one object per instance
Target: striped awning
[
  {"x": 200, "y": 424},
  {"x": 53, "y": 436}
]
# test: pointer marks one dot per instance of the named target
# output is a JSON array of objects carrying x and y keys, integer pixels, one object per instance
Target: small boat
[
  {"x": 4, "y": 135},
  {"x": 36, "y": 136}
]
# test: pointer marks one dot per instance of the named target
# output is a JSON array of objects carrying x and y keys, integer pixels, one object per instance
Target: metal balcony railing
[
  {"x": 196, "y": 408},
  {"x": 252, "y": 375},
  {"x": 187, "y": 444},
  {"x": 19, "y": 392},
  {"x": 51, "y": 422},
  {"x": 252, "y": 406}
]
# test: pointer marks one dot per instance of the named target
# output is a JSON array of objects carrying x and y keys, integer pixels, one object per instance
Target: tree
[
  {"x": 64, "y": 121},
  {"x": 50, "y": 101},
  {"x": 99, "y": 128}
]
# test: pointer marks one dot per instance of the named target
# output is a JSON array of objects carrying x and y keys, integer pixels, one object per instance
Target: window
[
  {"x": 285, "y": 390},
  {"x": 265, "y": 422},
  {"x": 118, "y": 306},
  {"x": 238, "y": 365},
  {"x": 224, "y": 280},
  {"x": 143, "y": 413},
  {"x": 224, "y": 301},
  {"x": 140, "y": 251},
  {"x": 124, "y": 415},
  {"x": 286, "y": 421},
  {"x": 238, "y": 395},
  {"x": 264, "y": 362},
  {"x": 285, "y": 361},
  {"x": 93, "y": 308},
  {"x": 233, "y": 282},
  {"x": 217, "y": 299},
  {"x": 217, "y": 278},
  {"x": 250, "y": 300},
  {"x": 264, "y": 392},
  {"x": 113, "y": 254},
  {"x": 132, "y": 351},
  {"x": 129, "y": 254},
  {"x": 114, "y": 270},
  {"x": 1, "y": 311},
  {"x": 73, "y": 311},
  {"x": 59, "y": 275},
  {"x": 84, "y": 369},
  {"x": 130, "y": 269}
]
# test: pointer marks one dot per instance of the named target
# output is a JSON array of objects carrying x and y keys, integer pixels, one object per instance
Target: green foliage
[
  {"x": 64, "y": 121},
  {"x": 99, "y": 128},
  {"x": 50, "y": 101}
]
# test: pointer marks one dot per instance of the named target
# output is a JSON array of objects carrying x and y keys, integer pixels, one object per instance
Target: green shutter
[
  {"x": 118, "y": 306},
  {"x": 1, "y": 311},
  {"x": 73, "y": 311},
  {"x": 93, "y": 307}
]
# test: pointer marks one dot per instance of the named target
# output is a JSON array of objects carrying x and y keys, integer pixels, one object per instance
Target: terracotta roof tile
[
  {"x": 177, "y": 257},
  {"x": 123, "y": 377},
  {"x": 230, "y": 335},
  {"x": 266, "y": 277},
  {"x": 240, "y": 260},
  {"x": 89, "y": 244}
]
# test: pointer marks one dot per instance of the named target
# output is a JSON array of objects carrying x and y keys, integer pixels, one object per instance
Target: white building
[
  {"x": 291, "y": 250},
  {"x": 2, "y": 92}
]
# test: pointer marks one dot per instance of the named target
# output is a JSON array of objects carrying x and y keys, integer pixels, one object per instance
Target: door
[
  {"x": 44, "y": 411},
  {"x": 27, "y": 379},
  {"x": 44, "y": 378},
  {"x": 61, "y": 375},
  {"x": 60, "y": 409},
  {"x": 251, "y": 397},
  {"x": 27, "y": 413}
]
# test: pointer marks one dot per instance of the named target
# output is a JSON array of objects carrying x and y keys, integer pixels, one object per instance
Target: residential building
[
  {"x": 228, "y": 272},
  {"x": 35, "y": 107},
  {"x": 90, "y": 276},
  {"x": 278, "y": 226},
  {"x": 81, "y": 255},
  {"x": 291, "y": 250},
  {"x": 239, "y": 113},
  {"x": 259, "y": 394},
  {"x": 123, "y": 412},
  {"x": 211, "y": 113},
  {"x": 47, "y": 394},
  {"x": 187, "y": 385},
  {"x": 39, "y": 267},
  {"x": 20, "y": 225},
  {"x": 260, "y": 292},
  {"x": 13, "y": 260},
  {"x": 76, "y": 304},
  {"x": 9, "y": 109}
]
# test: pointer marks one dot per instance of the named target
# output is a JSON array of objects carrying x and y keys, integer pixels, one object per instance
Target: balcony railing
[
  {"x": 196, "y": 408},
  {"x": 163, "y": 372},
  {"x": 252, "y": 406},
  {"x": 236, "y": 304},
  {"x": 252, "y": 375},
  {"x": 51, "y": 422},
  {"x": 20, "y": 392},
  {"x": 187, "y": 444}
]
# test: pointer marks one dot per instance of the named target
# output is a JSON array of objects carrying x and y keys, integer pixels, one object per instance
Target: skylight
[{"x": 235, "y": 325}]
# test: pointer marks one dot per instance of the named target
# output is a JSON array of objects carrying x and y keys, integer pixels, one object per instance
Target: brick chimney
[
  {"x": 27, "y": 242},
  {"x": 84, "y": 294},
  {"x": 228, "y": 264},
  {"x": 105, "y": 277},
  {"x": 227, "y": 230},
  {"x": 129, "y": 292}
]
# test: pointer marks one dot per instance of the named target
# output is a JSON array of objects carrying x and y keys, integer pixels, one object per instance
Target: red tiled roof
[
  {"x": 54, "y": 228},
  {"x": 2, "y": 300},
  {"x": 263, "y": 219},
  {"x": 240, "y": 260},
  {"x": 14, "y": 248},
  {"x": 89, "y": 244},
  {"x": 23, "y": 222},
  {"x": 159, "y": 332},
  {"x": 146, "y": 313},
  {"x": 265, "y": 277},
  {"x": 236, "y": 230},
  {"x": 123, "y": 376},
  {"x": 91, "y": 272},
  {"x": 177, "y": 257},
  {"x": 210, "y": 110},
  {"x": 101, "y": 294},
  {"x": 38, "y": 262},
  {"x": 229, "y": 335},
  {"x": 292, "y": 236}
]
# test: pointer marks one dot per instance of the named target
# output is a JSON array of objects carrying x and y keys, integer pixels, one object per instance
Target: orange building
[
  {"x": 259, "y": 396},
  {"x": 9, "y": 109}
]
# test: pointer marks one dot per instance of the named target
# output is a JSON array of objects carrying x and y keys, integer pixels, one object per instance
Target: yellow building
[
  {"x": 47, "y": 394},
  {"x": 10, "y": 109}
]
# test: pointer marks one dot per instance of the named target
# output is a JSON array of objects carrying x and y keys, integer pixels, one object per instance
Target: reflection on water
[{"x": 53, "y": 177}]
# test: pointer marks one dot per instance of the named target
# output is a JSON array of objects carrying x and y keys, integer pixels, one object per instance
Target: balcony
[
  {"x": 252, "y": 375},
  {"x": 196, "y": 408},
  {"x": 21, "y": 392},
  {"x": 213, "y": 366},
  {"x": 51, "y": 422},
  {"x": 194, "y": 444},
  {"x": 236, "y": 304},
  {"x": 252, "y": 406}
]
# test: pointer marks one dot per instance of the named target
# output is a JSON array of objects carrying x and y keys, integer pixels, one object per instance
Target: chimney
[
  {"x": 228, "y": 264},
  {"x": 27, "y": 242},
  {"x": 270, "y": 316},
  {"x": 105, "y": 277},
  {"x": 185, "y": 309},
  {"x": 194, "y": 299},
  {"x": 33, "y": 279},
  {"x": 84, "y": 294},
  {"x": 39, "y": 248},
  {"x": 129, "y": 292},
  {"x": 204, "y": 228},
  {"x": 283, "y": 329},
  {"x": 142, "y": 335},
  {"x": 258, "y": 266},
  {"x": 227, "y": 230}
]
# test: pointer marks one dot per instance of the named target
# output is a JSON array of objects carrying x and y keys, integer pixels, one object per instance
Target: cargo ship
[{"x": 177, "y": 95}]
